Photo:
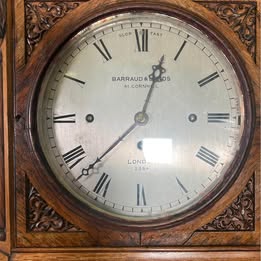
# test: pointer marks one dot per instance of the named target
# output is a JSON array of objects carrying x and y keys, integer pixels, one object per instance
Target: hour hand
[
  {"x": 86, "y": 172},
  {"x": 155, "y": 76}
]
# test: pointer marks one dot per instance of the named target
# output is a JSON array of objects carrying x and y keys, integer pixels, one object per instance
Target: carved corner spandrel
[
  {"x": 40, "y": 17},
  {"x": 240, "y": 215},
  {"x": 42, "y": 218},
  {"x": 241, "y": 18}
]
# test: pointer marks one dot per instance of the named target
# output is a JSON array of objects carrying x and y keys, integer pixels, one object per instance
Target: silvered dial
[{"x": 140, "y": 116}]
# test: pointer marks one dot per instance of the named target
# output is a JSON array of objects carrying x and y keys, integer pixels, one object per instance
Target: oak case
[{"x": 42, "y": 221}]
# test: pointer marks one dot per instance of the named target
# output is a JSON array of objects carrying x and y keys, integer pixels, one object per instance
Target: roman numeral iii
[
  {"x": 207, "y": 156},
  {"x": 103, "y": 50},
  {"x": 142, "y": 40},
  {"x": 102, "y": 185},
  {"x": 74, "y": 156}
]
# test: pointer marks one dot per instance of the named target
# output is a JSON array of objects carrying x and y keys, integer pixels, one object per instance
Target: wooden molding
[
  {"x": 154, "y": 254},
  {"x": 2, "y": 179}
]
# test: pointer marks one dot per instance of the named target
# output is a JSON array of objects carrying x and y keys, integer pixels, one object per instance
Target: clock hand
[
  {"x": 140, "y": 118},
  {"x": 85, "y": 172},
  {"x": 155, "y": 76}
]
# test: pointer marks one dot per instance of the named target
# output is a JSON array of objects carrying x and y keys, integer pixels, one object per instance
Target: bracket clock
[{"x": 129, "y": 130}]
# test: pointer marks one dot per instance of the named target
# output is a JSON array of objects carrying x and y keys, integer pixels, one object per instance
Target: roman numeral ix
[
  {"x": 142, "y": 40},
  {"x": 74, "y": 156},
  {"x": 207, "y": 156},
  {"x": 102, "y": 185}
]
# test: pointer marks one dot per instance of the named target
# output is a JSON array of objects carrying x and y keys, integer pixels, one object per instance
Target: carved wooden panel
[
  {"x": 2, "y": 185},
  {"x": 41, "y": 16},
  {"x": 241, "y": 17},
  {"x": 240, "y": 215},
  {"x": 42, "y": 218}
]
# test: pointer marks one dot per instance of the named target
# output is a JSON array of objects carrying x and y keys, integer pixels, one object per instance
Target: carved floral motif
[
  {"x": 42, "y": 218},
  {"x": 41, "y": 16},
  {"x": 240, "y": 215},
  {"x": 241, "y": 17}
]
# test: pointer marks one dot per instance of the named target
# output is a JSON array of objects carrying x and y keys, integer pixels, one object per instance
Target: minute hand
[
  {"x": 85, "y": 172},
  {"x": 155, "y": 76}
]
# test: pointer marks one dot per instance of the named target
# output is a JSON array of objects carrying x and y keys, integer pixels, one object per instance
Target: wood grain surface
[
  {"x": 142, "y": 254},
  {"x": 37, "y": 29}
]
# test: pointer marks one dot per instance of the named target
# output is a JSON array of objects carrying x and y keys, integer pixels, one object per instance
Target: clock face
[{"x": 141, "y": 116}]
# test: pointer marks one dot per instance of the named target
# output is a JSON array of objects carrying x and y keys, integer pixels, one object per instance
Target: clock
[
  {"x": 130, "y": 130},
  {"x": 143, "y": 118}
]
